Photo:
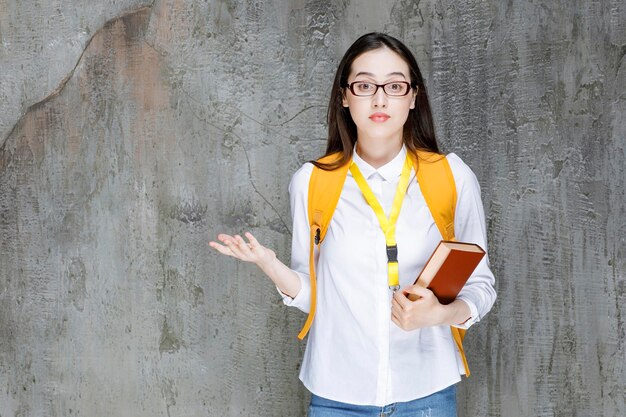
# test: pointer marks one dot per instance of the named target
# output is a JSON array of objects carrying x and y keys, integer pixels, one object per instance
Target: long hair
[{"x": 418, "y": 131}]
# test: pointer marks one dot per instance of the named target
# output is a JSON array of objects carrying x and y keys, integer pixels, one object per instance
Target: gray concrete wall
[{"x": 132, "y": 132}]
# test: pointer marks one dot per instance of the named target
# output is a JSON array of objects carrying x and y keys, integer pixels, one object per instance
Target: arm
[
  {"x": 293, "y": 284},
  {"x": 300, "y": 238},
  {"x": 478, "y": 295},
  {"x": 469, "y": 225}
]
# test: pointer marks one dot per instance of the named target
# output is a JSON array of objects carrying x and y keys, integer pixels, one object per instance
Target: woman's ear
[
  {"x": 344, "y": 101},
  {"x": 414, "y": 96}
]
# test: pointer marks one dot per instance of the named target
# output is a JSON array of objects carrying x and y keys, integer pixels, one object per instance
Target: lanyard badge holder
[{"x": 388, "y": 225}]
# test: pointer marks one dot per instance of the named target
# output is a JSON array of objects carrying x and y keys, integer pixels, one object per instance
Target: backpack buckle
[{"x": 317, "y": 236}]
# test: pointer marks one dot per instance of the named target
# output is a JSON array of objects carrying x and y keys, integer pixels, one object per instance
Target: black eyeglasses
[{"x": 365, "y": 88}]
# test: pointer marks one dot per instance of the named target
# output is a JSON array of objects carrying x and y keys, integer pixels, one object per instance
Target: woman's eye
[
  {"x": 396, "y": 87},
  {"x": 364, "y": 86}
]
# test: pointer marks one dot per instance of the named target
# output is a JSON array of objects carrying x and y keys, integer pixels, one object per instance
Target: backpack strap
[
  {"x": 437, "y": 185},
  {"x": 324, "y": 191}
]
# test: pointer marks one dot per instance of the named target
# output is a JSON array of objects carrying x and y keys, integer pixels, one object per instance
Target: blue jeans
[{"x": 439, "y": 404}]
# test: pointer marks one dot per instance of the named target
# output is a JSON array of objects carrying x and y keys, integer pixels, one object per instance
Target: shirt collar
[{"x": 389, "y": 171}]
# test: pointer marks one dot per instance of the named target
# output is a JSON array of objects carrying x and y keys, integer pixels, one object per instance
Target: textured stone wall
[{"x": 132, "y": 132}]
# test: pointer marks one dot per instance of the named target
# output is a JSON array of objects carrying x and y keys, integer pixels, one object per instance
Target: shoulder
[
  {"x": 464, "y": 177},
  {"x": 300, "y": 179}
]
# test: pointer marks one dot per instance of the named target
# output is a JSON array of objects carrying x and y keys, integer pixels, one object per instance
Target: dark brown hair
[{"x": 419, "y": 131}]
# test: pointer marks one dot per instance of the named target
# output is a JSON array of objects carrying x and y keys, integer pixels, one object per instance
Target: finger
[
  {"x": 237, "y": 251},
  {"x": 231, "y": 247},
  {"x": 221, "y": 248},
  {"x": 418, "y": 290},
  {"x": 397, "y": 311},
  {"x": 395, "y": 305},
  {"x": 223, "y": 237},
  {"x": 239, "y": 240},
  {"x": 396, "y": 320},
  {"x": 395, "y": 314},
  {"x": 401, "y": 299},
  {"x": 242, "y": 245},
  {"x": 227, "y": 240},
  {"x": 253, "y": 242}
]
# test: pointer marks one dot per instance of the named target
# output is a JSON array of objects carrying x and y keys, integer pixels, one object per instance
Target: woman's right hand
[
  {"x": 252, "y": 251},
  {"x": 285, "y": 279}
]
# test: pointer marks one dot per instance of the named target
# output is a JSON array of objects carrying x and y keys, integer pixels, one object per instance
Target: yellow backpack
[{"x": 436, "y": 184}]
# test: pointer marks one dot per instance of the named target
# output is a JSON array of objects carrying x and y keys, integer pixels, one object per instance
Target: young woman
[{"x": 371, "y": 350}]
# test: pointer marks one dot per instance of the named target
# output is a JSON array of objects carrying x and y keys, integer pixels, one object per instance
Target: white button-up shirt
[{"x": 354, "y": 352}]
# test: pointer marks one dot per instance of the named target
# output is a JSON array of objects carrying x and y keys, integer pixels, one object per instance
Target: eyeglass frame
[{"x": 349, "y": 86}]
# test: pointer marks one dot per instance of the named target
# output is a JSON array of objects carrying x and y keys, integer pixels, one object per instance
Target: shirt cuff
[
  {"x": 302, "y": 300},
  {"x": 473, "y": 311}
]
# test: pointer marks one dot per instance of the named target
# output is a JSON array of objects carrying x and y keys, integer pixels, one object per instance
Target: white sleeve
[
  {"x": 298, "y": 198},
  {"x": 469, "y": 226}
]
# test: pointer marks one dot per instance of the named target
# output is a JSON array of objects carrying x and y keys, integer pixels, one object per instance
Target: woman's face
[{"x": 379, "y": 66}]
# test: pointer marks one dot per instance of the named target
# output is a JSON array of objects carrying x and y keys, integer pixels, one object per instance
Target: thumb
[{"x": 415, "y": 292}]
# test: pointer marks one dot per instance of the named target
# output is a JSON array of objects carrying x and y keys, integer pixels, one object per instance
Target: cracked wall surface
[
  {"x": 132, "y": 132},
  {"x": 41, "y": 42}
]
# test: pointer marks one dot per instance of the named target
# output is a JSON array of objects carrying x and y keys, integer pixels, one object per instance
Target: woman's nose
[{"x": 379, "y": 99}]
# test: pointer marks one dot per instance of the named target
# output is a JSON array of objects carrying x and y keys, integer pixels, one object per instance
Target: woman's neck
[{"x": 378, "y": 154}]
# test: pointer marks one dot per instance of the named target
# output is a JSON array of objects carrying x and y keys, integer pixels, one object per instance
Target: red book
[{"x": 448, "y": 269}]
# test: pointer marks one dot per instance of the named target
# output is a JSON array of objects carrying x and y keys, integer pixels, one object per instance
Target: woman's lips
[{"x": 379, "y": 117}]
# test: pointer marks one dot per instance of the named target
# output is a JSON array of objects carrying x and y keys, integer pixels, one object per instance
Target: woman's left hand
[{"x": 410, "y": 315}]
